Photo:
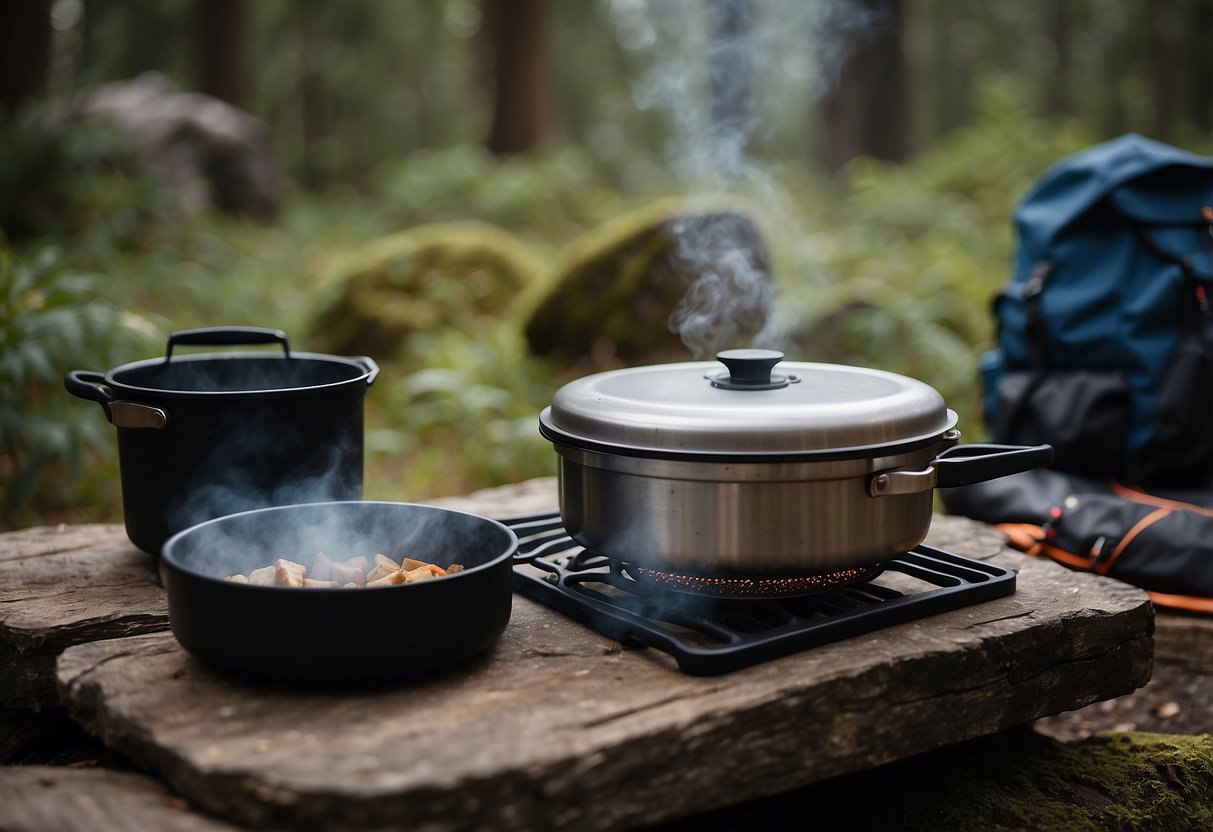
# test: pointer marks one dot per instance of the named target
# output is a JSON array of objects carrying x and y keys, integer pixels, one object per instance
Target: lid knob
[{"x": 750, "y": 370}]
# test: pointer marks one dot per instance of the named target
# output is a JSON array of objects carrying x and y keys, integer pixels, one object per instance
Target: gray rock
[{"x": 210, "y": 152}]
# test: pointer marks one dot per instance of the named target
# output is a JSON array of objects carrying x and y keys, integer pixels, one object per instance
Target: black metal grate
[{"x": 709, "y": 636}]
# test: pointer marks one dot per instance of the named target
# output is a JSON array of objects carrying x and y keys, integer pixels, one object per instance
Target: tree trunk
[
  {"x": 1199, "y": 28},
  {"x": 25, "y": 41},
  {"x": 1057, "y": 80},
  {"x": 522, "y": 99},
  {"x": 219, "y": 40},
  {"x": 313, "y": 110},
  {"x": 1164, "y": 41},
  {"x": 864, "y": 114},
  {"x": 950, "y": 82}
]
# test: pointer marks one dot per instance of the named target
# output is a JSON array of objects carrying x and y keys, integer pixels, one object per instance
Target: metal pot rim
[
  {"x": 558, "y": 437},
  {"x": 169, "y": 557},
  {"x": 363, "y": 374}
]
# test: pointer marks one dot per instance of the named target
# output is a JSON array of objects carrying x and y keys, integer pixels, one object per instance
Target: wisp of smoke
[{"x": 708, "y": 65}]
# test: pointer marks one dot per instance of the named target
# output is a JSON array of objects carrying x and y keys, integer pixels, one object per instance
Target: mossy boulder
[
  {"x": 667, "y": 282},
  {"x": 445, "y": 275}
]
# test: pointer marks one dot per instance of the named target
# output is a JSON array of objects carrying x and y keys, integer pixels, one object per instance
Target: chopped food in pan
[{"x": 352, "y": 573}]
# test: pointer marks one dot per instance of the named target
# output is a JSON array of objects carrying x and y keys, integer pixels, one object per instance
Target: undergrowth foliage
[
  {"x": 53, "y": 320},
  {"x": 468, "y": 419}
]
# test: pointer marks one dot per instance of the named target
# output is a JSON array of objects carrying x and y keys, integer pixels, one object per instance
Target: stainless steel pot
[{"x": 760, "y": 467}]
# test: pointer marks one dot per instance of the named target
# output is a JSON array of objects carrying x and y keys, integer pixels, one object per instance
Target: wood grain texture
[
  {"x": 64, "y": 585},
  {"x": 560, "y": 728},
  {"x": 45, "y": 798}
]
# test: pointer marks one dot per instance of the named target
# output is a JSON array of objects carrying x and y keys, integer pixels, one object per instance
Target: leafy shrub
[
  {"x": 52, "y": 321},
  {"x": 552, "y": 195},
  {"x": 470, "y": 419}
]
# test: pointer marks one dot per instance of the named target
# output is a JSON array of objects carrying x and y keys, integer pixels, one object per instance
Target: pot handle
[
  {"x": 226, "y": 336},
  {"x": 87, "y": 385},
  {"x": 962, "y": 465},
  {"x": 372, "y": 368}
]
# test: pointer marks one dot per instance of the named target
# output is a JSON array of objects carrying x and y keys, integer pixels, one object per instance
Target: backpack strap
[
  {"x": 1034, "y": 326},
  {"x": 1195, "y": 307}
]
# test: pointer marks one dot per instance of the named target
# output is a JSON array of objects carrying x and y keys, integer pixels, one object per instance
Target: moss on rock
[
  {"x": 669, "y": 280},
  {"x": 426, "y": 278},
  {"x": 1120, "y": 781},
  {"x": 1015, "y": 780}
]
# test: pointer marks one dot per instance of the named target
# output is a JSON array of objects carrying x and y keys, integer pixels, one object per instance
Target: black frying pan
[{"x": 338, "y": 635}]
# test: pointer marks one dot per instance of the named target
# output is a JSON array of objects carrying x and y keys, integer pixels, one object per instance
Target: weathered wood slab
[
  {"x": 44, "y": 798},
  {"x": 64, "y": 585},
  {"x": 561, "y": 728}
]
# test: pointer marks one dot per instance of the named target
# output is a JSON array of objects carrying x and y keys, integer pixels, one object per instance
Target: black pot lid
[{"x": 757, "y": 404}]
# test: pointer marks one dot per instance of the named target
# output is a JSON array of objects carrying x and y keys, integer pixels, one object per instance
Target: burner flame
[{"x": 742, "y": 587}]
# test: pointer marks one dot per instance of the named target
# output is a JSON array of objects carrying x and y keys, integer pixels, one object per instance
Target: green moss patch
[
  {"x": 1016, "y": 780},
  {"x": 447, "y": 275},
  {"x": 1113, "y": 781},
  {"x": 619, "y": 292}
]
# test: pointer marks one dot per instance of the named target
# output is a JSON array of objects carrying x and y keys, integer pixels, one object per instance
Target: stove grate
[{"x": 708, "y": 635}]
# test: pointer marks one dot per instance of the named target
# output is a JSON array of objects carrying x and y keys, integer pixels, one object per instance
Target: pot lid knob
[{"x": 750, "y": 369}]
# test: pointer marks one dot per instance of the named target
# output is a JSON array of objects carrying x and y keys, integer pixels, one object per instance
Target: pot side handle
[
  {"x": 968, "y": 464},
  {"x": 962, "y": 465},
  {"x": 372, "y": 368},
  {"x": 87, "y": 385},
  {"x": 226, "y": 336}
]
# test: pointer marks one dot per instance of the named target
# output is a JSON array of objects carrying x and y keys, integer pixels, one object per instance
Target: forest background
[{"x": 884, "y": 144}]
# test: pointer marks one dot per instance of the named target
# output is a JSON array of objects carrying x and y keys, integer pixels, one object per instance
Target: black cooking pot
[
  {"x": 332, "y": 635},
  {"x": 202, "y": 436}
]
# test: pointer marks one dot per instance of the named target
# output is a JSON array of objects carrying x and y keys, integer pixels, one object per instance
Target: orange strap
[
  {"x": 1069, "y": 558},
  {"x": 1023, "y": 536},
  {"x": 1187, "y": 603},
  {"x": 1030, "y": 540},
  {"x": 1139, "y": 527},
  {"x": 1139, "y": 496}
]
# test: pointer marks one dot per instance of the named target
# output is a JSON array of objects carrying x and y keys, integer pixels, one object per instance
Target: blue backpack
[{"x": 1105, "y": 331}]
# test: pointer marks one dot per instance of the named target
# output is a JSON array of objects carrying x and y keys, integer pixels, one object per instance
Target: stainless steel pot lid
[{"x": 755, "y": 404}]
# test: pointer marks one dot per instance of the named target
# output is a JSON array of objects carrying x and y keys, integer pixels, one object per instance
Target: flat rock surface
[
  {"x": 64, "y": 585},
  {"x": 559, "y": 727},
  {"x": 46, "y": 798}
]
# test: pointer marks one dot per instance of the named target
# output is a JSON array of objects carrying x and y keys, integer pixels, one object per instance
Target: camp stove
[{"x": 714, "y": 625}]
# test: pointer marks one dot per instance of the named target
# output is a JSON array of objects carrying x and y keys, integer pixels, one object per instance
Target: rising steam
[{"x": 718, "y": 77}]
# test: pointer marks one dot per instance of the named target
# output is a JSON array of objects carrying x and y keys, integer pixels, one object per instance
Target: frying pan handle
[
  {"x": 226, "y": 336},
  {"x": 962, "y": 465},
  {"x": 87, "y": 385}
]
